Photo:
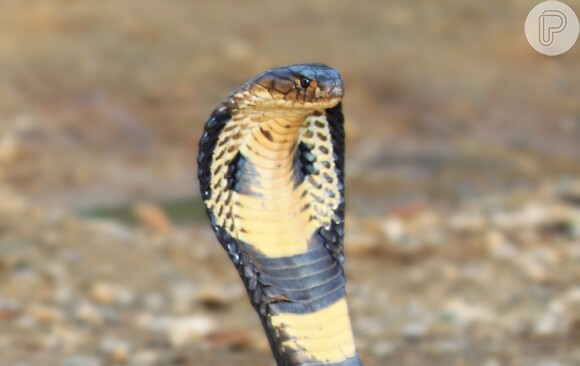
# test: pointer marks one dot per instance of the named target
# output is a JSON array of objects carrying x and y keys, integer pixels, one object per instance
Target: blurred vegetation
[{"x": 180, "y": 212}]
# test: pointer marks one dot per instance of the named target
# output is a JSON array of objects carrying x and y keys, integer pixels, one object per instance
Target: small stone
[
  {"x": 414, "y": 331},
  {"x": 11, "y": 149},
  {"x": 88, "y": 313},
  {"x": 467, "y": 222},
  {"x": 116, "y": 350},
  {"x": 551, "y": 363},
  {"x": 572, "y": 296},
  {"x": 393, "y": 229},
  {"x": 81, "y": 360},
  {"x": 361, "y": 242},
  {"x": 450, "y": 273},
  {"x": 62, "y": 295},
  {"x": 125, "y": 297},
  {"x": 103, "y": 293},
  {"x": 383, "y": 348},
  {"x": 26, "y": 322},
  {"x": 111, "y": 316},
  {"x": 236, "y": 339},
  {"x": 373, "y": 326},
  {"x": 498, "y": 246},
  {"x": 492, "y": 362},
  {"x": 44, "y": 313},
  {"x": 534, "y": 269},
  {"x": 11, "y": 203},
  {"x": 219, "y": 297},
  {"x": 463, "y": 314},
  {"x": 448, "y": 346},
  {"x": 153, "y": 218},
  {"x": 547, "y": 324},
  {"x": 146, "y": 358},
  {"x": 154, "y": 301},
  {"x": 190, "y": 328},
  {"x": 183, "y": 295},
  {"x": 9, "y": 309}
]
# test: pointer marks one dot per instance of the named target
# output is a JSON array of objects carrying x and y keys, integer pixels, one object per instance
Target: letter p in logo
[{"x": 551, "y": 22}]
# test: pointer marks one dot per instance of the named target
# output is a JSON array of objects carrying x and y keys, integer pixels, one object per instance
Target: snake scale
[{"x": 271, "y": 173}]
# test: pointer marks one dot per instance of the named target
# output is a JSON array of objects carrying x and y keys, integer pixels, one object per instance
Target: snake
[{"x": 271, "y": 176}]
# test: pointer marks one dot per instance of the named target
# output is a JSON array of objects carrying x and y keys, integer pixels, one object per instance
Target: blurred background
[{"x": 463, "y": 185}]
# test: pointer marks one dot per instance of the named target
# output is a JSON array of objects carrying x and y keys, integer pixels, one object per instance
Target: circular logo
[{"x": 552, "y": 28}]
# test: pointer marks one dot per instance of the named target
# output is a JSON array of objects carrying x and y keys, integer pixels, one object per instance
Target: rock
[
  {"x": 447, "y": 346},
  {"x": 549, "y": 324},
  {"x": 81, "y": 360},
  {"x": 62, "y": 295},
  {"x": 149, "y": 322},
  {"x": 104, "y": 292},
  {"x": 153, "y": 218},
  {"x": 25, "y": 322},
  {"x": 449, "y": 273},
  {"x": 575, "y": 228},
  {"x": 414, "y": 331},
  {"x": 126, "y": 297},
  {"x": 236, "y": 339},
  {"x": 9, "y": 309},
  {"x": 11, "y": 149},
  {"x": 463, "y": 314},
  {"x": 572, "y": 296},
  {"x": 492, "y": 362},
  {"x": 529, "y": 216},
  {"x": 534, "y": 269},
  {"x": 550, "y": 363},
  {"x": 218, "y": 296},
  {"x": 44, "y": 313},
  {"x": 183, "y": 296},
  {"x": 360, "y": 239},
  {"x": 498, "y": 246},
  {"x": 383, "y": 348},
  {"x": 146, "y": 358},
  {"x": 467, "y": 222},
  {"x": 114, "y": 349},
  {"x": 393, "y": 229},
  {"x": 154, "y": 300},
  {"x": 111, "y": 315},
  {"x": 372, "y": 326},
  {"x": 181, "y": 330},
  {"x": 12, "y": 204},
  {"x": 88, "y": 313}
]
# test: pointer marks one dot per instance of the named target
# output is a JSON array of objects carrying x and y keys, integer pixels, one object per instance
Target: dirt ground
[{"x": 463, "y": 236}]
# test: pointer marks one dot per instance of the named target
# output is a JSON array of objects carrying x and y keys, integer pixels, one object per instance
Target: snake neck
[
  {"x": 272, "y": 205},
  {"x": 275, "y": 180}
]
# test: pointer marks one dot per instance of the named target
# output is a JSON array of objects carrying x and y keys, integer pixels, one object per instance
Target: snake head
[{"x": 305, "y": 86}]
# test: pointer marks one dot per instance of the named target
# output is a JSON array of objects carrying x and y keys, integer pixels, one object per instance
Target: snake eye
[{"x": 305, "y": 82}]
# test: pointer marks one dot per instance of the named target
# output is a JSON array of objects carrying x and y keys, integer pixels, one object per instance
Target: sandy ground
[{"x": 462, "y": 167}]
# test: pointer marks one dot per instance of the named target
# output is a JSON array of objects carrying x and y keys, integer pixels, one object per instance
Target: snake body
[{"x": 271, "y": 173}]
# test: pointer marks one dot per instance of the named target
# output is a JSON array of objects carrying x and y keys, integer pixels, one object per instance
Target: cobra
[{"x": 271, "y": 173}]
